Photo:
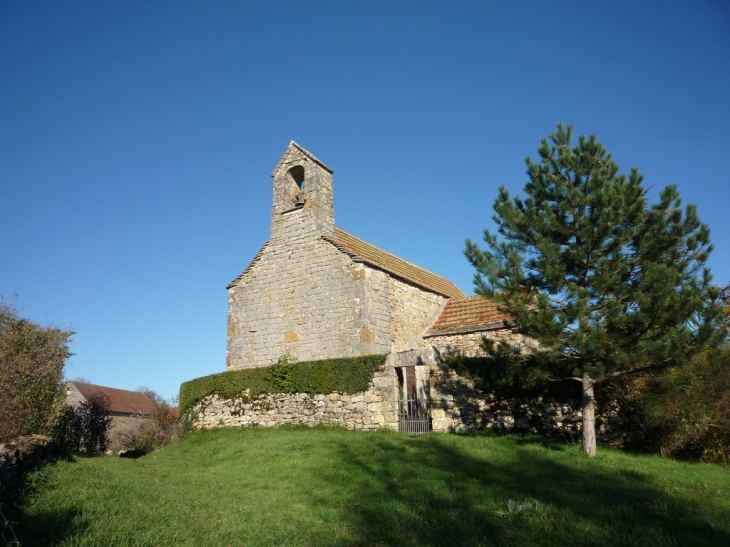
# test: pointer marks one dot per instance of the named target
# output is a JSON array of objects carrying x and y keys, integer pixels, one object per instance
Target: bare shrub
[
  {"x": 153, "y": 433},
  {"x": 31, "y": 375}
]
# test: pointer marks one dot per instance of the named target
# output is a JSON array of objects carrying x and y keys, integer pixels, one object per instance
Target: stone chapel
[{"x": 314, "y": 291}]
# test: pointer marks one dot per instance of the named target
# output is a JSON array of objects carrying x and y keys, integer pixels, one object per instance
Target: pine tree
[{"x": 607, "y": 284}]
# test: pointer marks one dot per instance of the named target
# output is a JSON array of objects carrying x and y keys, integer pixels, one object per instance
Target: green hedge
[{"x": 346, "y": 375}]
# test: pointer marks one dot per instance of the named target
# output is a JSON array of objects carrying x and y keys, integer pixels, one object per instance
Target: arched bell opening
[{"x": 297, "y": 186}]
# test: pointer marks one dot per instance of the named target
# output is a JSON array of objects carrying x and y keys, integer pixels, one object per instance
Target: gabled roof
[
  {"x": 474, "y": 311},
  {"x": 307, "y": 153},
  {"x": 362, "y": 251},
  {"x": 120, "y": 400}
]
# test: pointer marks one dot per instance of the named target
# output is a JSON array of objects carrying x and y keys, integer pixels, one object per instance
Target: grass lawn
[{"x": 333, "y": 487}]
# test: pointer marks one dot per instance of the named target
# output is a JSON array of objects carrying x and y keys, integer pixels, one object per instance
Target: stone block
[{"x": 384, "y": 382}]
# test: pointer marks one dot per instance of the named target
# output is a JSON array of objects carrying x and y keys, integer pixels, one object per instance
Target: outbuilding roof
[
  {"x": 120, "y": 400},
  {"x": 370, "y": 254},
  {"x": 469, "y": 311}
]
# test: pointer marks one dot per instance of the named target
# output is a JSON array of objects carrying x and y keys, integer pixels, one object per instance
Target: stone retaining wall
[
  {"x": 364, "y": 411},
  {"x": 372, "y": 409},
  {"x": 457, "y": 406},
  {"x": 22, "y": 455}
]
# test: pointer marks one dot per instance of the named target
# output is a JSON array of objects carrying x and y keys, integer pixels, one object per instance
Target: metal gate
[{"x": 414, "y": 417}]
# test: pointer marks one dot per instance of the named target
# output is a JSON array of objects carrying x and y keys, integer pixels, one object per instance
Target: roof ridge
[
  {"x": 75, "y": 382},
  {"x": 120, "y": 400}
]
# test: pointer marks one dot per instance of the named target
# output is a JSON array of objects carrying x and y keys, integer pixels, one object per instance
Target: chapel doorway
[{"x": 414, "y": 410}]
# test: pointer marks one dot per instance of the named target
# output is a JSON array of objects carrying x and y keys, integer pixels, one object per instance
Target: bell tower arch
[{"x": 303, "y": 204}]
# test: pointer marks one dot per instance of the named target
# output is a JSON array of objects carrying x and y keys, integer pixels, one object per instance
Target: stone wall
[
  {"x": 305, "y": 298},
  {"x": 300, "y": 295},
  {"x": 374, "y": 309},
  {"x": 316, "y": 215},
  {"x": 372, "y": 409},
  {"x": 457, "y": 406},
  {"x": 412, "y": 311},
  {"x": 469, "y": 344},
  {"x": 23, "y": 455},
  {"x": 73, "y": 396}
]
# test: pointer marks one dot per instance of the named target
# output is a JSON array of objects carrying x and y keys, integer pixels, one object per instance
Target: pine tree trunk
[{"x": 589, "y": 416}]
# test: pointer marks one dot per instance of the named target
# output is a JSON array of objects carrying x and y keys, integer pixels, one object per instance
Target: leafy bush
[
  {"x": 345, "y": 374},
  {"x": 689, "y": 408},
  {"x": 31, "y": 375},
  {"x": 87, "y": 425}
]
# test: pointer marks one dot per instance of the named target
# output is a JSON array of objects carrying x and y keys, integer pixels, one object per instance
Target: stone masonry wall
[
  {"x": 305, "y": 298},
  {"x": 375, "y": 308},
  {"x": 372, "y": 409},
  {"x": 316, "y": 217},
  {"x": 412, "y": 311},
  {"x": 23, "y": 455},
  {"x": 470, "y": 344},
  {"x": 457, "y": 406}
]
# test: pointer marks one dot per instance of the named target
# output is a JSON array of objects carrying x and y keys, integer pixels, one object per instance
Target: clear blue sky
[{"x": 137, "y": 139}]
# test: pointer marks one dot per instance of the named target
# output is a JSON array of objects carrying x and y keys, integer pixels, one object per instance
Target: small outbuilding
[{"x": 125, "y": 406}]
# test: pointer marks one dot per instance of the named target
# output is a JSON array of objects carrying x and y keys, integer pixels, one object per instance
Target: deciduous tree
[{"x": 31, "y": 374}]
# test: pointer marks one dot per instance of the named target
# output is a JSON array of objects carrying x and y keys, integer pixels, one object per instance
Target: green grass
[{"x": 333, "y": 487}]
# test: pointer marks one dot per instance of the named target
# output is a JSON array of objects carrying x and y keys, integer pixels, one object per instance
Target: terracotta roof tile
[
  {"x": 469, "y": 310},
  {"x": 120, "y": 400},
  {"x": 401, "y": 268}
]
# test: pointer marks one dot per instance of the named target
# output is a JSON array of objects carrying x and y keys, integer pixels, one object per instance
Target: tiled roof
[
  {"x": 371, "y": 254},
  {"x": 120, "y": 400},
  {"x": 469, "y": 310}
]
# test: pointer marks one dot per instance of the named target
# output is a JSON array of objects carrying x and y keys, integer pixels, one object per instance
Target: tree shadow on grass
[
  {"x": 430, "y": 491},
  {"x": 34, "y": 528}
]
